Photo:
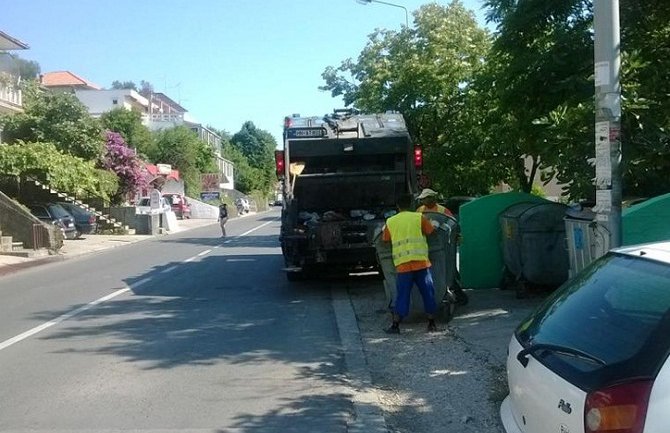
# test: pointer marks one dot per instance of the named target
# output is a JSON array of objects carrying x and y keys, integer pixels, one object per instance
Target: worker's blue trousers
[{"x": 404, "y": 283}]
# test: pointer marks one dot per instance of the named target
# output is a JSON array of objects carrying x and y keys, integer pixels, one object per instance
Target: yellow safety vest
[
  {"x": 440, "y": 209},
  {"x": 407, "y": 239}
]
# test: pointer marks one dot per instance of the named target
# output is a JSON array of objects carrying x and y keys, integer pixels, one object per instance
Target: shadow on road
[
  {"x": 233, "y": 309},
  {"x": 252, "y": 241}
]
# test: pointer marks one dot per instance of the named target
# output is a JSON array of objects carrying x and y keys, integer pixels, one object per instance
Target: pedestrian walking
[
  {"x": 428, "y": 199},
  {"x": 407, "y": 233},
  {"x": 223, "y": 218}
]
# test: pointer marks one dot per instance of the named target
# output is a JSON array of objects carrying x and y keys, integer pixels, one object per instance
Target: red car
[{"x": 179, "y": 205}]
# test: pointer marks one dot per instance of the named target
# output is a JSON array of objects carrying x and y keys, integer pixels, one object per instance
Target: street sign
[{"x": 210, "y": 196}]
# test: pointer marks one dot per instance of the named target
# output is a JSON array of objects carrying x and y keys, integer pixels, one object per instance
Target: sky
[{"x": 225, "y": 61}]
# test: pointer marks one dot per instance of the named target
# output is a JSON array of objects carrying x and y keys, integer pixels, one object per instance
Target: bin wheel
[
  {"x": 508, "y": 280},
  {"x": 461, "y": 297},
  {"x": 521, "y": 288}
]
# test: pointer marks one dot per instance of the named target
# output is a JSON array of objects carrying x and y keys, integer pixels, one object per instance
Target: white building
[
  {"x": 11, "y": 99},
  {"x": 101, "y": 101},
  {"x": 157, "y": 109}
]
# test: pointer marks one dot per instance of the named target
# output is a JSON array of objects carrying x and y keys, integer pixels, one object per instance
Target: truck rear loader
[{"x": 341, "y": 177}]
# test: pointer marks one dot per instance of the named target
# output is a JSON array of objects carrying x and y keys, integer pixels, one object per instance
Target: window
[{"x": 617, "y": 310}]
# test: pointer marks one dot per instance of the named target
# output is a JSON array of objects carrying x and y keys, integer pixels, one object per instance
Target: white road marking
[
  {"x": 142, "y": 281},
  {"x": 170, "y": 269},
  {"x": 255, "y": 228},
  {"x": 9, "y": 342},
  {"x": 5, "y": 344}
]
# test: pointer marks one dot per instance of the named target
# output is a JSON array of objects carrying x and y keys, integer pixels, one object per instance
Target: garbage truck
[{"x": 341, "y": 177}]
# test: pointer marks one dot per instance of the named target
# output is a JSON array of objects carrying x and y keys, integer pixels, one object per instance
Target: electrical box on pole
[{"x": 607, "y": 57}]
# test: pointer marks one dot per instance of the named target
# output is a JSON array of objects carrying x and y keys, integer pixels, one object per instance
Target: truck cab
[{"x": 341, "y": 175}]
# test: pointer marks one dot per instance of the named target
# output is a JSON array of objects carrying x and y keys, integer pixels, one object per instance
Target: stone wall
[
  {"x": 200, "y": 210},
  {"x": 22, "y": 226}
]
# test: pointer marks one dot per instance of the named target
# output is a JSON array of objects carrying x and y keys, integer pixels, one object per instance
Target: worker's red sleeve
[
  {"x": 426, "y": 227},
  {"x": 386, "y": 235}
]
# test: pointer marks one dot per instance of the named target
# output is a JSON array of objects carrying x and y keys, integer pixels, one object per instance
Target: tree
[
  {"x": 61, "y": 171},
  {"x": 257, "y": 146},
  {"x": 247, "y": 178},
  {"x": 182, "y": 148},
  {"x": 116, "y": 84},
  {"x": 538, "y": 81},
  {"x": 129, "y": 124},
  {"x": 123, "y": 161},
  {"x": 15, "y": 65},
  {"x": 541, "y": 71},
  {"x": 426, "y": 73},
  {"x": 58, "y": 118}
]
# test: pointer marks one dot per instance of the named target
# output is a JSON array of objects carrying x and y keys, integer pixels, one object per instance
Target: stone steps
[{"x": 104, "y": 218}]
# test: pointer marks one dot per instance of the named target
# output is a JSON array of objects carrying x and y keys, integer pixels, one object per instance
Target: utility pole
[{"x": 608, "y": 117}]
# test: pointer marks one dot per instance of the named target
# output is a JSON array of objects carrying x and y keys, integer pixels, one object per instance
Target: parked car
[
  {"x": 179, "y": 205},
  {"x": 594, "y": 356},
  {"x": 84, "y": 221},
  {"x": 53, "y": 213},
  {"x": 143, "y": 206}
]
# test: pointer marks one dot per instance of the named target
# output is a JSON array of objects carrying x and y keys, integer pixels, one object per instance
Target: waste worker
[
  {"x": 223, "y": 218},
  {"x": 407, "y": 233},
  {"x": 428, "y": 199}
]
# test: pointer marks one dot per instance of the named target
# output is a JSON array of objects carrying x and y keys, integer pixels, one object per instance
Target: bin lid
[{"x": 578, "y": 212}]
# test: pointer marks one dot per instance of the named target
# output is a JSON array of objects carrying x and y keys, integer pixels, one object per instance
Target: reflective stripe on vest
[{"x": 407, "y": 239}]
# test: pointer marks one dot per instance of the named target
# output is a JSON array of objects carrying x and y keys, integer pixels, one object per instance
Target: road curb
[
  {"x": 15, "y": 267},
  {"x": 368, "y": 416}
]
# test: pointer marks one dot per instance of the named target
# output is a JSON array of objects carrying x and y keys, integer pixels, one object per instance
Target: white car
[
  {"x": 144, "y": 206},
  {"x": 594, "y": 356}
]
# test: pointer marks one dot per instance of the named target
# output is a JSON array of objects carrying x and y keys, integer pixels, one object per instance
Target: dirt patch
[{"x": 452, "y": 380}]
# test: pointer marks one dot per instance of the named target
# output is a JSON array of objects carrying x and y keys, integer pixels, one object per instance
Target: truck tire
[{"x": 295, "y": 276}]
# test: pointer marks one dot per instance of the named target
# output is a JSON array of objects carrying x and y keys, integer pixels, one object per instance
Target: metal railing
[
  {"x": 11, "y": 95},
  {"x": 40, "y": 236}
]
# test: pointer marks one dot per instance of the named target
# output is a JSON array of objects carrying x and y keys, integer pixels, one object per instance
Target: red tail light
[
  {"x": 279, "y": 162},
  {"x": 618, "y": 409},
  {"x": 418, "y": 157},
  {"x": 91, "y": 219}
]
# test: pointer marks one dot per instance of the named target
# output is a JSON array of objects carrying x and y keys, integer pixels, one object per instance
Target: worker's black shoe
[
  {"x": 432, "y": 327},
  {"x": 393, "y": 329}
]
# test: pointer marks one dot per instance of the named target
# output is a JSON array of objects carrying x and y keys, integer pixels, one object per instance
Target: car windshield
[
  {"x": 57, "y": 211},
  {"x": 617, "y": 310},
  {"x": 73, "y": 210},
  {"x": 144, "y": 202}
]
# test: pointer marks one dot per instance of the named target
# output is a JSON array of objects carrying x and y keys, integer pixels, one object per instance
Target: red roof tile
[{"x": 66, "y": 78}]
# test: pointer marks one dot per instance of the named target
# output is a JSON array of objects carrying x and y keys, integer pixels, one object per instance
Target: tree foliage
[
  {"x": 123, "y": 161},
  {"x": 426, "y": 73},
  {"x": 257, "y": 146},
  {"x": 61, "y": 171},
  {"x": 129, "y": 124},
  {"x": 57, "y": 118},
  {"x": 116, "y": 84},
  {"x": 540, "y": 76},
  {"x": 13, "y": 64},
  {"x": 181, "y": 148}
]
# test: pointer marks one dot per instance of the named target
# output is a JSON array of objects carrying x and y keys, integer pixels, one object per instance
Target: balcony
[{"x": 10, "y": 98}]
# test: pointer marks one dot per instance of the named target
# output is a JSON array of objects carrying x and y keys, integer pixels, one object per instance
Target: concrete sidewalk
[{"x": 89, "y": 244}]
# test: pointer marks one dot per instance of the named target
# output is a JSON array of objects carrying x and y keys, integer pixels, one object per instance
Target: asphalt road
[{"x": 185, "y": 332}]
